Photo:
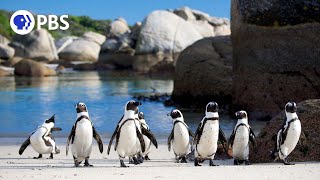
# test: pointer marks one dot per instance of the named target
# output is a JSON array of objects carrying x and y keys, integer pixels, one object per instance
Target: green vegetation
[{"x": 78, "y": 25}]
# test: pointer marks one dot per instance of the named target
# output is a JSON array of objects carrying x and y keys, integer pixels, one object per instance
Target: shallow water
[{"x": 26, "y": 102}]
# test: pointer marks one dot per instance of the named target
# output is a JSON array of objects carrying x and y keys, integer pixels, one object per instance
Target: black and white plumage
[
  {"x": 179, "y": 136},
  {"x": 207, "y": 135},
  {"x": 128, "y": 134},
  {"x": 81, "y": 137},
  {"x": 42, "y": 140},
  {"x": 288, "y": 135},
  {"x": 239, "y": 139}
]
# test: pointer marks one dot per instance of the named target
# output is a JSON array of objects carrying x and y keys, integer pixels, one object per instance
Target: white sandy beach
[{"x": 161, "y": 166}]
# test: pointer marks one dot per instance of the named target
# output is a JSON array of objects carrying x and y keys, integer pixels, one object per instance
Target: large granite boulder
[
  {"x": 204, "y": 72},
  {"x": 276, "y": 53},
  {"x": 4, "y": 40},
  {"x": 27, "y": 67},
  {"x": 185, "y": 13},
  {"x": 166, "y": 32},
  {"x": 64, "y": 42},
  {"x": 95, "y": 37},
  {"x": 38, "y": 45},
  {"x": 118, "y": 27},
  {"x": 6, "y": 52},
  {"x": 309, "y": 147},
  {"x": 81, "y": 50}
]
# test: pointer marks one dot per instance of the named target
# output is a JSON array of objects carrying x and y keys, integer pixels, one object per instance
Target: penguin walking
[
  {"x": 288, "y": 135},
  {"x": 239, "y": 139},
  {"x": 148, "y": 137},
  {"x": 81, "y": 136},
  {"x": 207, "y": 135},
  {"x": 129, "y": 139},
  {"x": 42, "y": 140},
  {"x": 179, "y": 136}
]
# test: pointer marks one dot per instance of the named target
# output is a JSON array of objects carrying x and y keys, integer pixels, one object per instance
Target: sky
[{"x": 131, "y": 10}]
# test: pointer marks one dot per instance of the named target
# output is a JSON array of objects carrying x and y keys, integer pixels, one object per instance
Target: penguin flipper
[
  {"x": 56, "y": 129},
  {"x": 198, "y": 133},
  {"x": 97, "y": 137},
  {"x": 231, "y": 139},
  {"x": 252, "y": 137},
  {"x": 149, "y": 134},
  {"x": 222, "y": 139},
  {"x": 170, "y": 138},
  {"x": 191, "y": 133},
  {"x": 24, "y": 146},
  {"x": 140, "y": 137},
  {"x": 112, "y": 138},
  {"x": 70, "y": 138}
]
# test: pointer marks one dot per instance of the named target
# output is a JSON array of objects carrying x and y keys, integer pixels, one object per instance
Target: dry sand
[{"x": 161, "y": 166}]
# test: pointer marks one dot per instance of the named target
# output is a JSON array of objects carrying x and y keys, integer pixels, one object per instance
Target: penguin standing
[
  {"x": 289, "y": 134},
  {"x": 42, "y": 140},
  {"x": 207, "y": 135},
  {"x": 239, "y": 139},
  {"x": 148, "y": 137},
  {"x": 179, "y": 136},
  {"x": 129, "y": 139},
  {"x": 81, "y": 136}
]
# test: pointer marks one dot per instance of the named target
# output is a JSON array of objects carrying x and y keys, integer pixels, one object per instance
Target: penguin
[
  {"x": 179, "y": 136},
  {"x": 81, "y": 136},
  {"x": 129, "y": 139},
  {"x": 42, "y": 140},
  {"x": 148, "y": 137},
  {"x": 207, "y": 135},
  {"x": 239, "y": 139},
  {"x": 288, "y": 135}
]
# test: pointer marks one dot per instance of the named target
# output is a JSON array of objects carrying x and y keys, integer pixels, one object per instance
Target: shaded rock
[
  {"x": 85, "y": 67},
  {"x": 4, "y": 40},
  {"x": 38, "y": 45},
  {"x": 166, "y": 32},
  {"x": 27, "y": 67},
  {"x": 64, "y": 42},
  {"x": 164, "y": 67},
  {"x": 6, "y": 52},
  {"x": 118, "y": 27},
  {"x": 274, "y": 62},
  {"x": 4, "y": 72},
  {"x": 135, "y": 32},
  {"x": 185, "y": 13},
  {"x": 95, "y": 37},
  {"x": 11, "y": 62},
  {"x": 204, "y": 72},
  {"x": 307, "y": 150},
  {"x": 81, "y": 50},
  {"x": 110, "y": 45}
]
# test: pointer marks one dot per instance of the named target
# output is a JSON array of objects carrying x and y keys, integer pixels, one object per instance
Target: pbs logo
[{"x": 22, "y": 22}]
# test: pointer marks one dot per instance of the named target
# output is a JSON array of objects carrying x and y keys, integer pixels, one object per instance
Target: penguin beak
[
  {"x": 168, "y": 114},
  {"x": 51, "y": 119}
]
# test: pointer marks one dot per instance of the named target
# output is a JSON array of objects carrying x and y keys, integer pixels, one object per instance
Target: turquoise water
[{"x": 26, "y": 102}]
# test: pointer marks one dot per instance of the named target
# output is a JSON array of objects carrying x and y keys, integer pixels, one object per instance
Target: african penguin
[
  {"x": 81, "y": 136},
  {"x": 288, "y": 135},
  {"x": 129, "y": 139},
  {"x": 239, "y": 139},
  {"x": 42, "y": 140},
  {"x": 148, "y": 137},
  {"x": 207, "y": 135},
  {"x": 179, "y": 136}
]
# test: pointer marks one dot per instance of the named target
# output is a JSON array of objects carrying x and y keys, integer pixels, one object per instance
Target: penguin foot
[
  {"x": 51, "y": 156},
  {"x": 131, "y": 160},
  {"x": 211, "y": 163},
  {"x": 196, "y": 162},
  {"x": 140, "y": 158},
  {"x": 122, "y": 164},
  {"x": 274, "y": 155},
  {"x": 39, "y": 157},
  {"x": 86, "y": 163},
  {"x": 147, "y": 158},
  {"x": 135, "y": 161},
  {"x": 286, "y": 162},
  {"x": 247, "y": 162},
  {"x": 57, "y": 151},
  {"x": 236, "y": 162},
  {"x": 183, "y": 160}
]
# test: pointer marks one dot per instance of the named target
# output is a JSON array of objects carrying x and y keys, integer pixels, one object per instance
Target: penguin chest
[
  {"x": 208, "y": 142},
  {"x": 180, "y": 142},
  {"x": 240, "y": 146},
  {"x": 82, "y": 143},
  {"x": 38, "y": 143},
  {"x": 292, "y": 138},
  {"x": 128, "y": 141}
]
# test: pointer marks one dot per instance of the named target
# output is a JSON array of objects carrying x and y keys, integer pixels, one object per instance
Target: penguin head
[
  {"x": 133, "y": 106},
  {"x": 212, "y": 107},
  {"x": 49, "y": 122},
  {"x": 141, "y": 115},
  {"x": 175, "y": 114},
  {"x": 81, "y": 107},
  {"x": 241, "y": 115},
  {"x": 291, "y": 107}
]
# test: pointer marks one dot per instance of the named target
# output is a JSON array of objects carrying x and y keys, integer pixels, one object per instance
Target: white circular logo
[{"x": 22, "y": 22}]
